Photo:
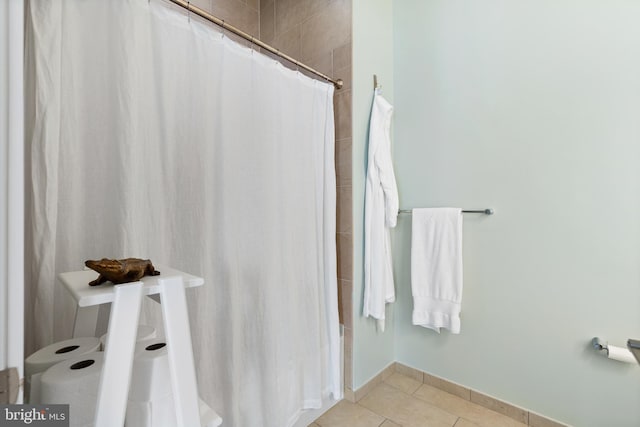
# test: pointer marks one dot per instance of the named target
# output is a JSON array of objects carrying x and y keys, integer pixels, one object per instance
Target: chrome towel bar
[{"x": 487, "y": 211}]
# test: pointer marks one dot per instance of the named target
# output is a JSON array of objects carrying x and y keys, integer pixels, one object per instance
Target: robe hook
[{"x": 375, "y": 83}]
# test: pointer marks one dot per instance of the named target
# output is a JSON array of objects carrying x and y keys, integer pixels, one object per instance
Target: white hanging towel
[
  {"x": 436, "y": 268},
  {"x": 380, "y": 213}
]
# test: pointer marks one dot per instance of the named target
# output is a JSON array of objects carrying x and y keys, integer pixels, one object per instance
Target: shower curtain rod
[{"x": 220, "y": 22}]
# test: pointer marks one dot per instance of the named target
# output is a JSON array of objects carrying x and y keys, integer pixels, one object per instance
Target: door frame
[{"x": 12, "y": 187}]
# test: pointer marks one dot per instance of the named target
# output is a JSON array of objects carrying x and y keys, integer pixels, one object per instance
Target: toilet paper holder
[
  {"x": 599, "y": 346},
  {"x": 621, "y": 354}
]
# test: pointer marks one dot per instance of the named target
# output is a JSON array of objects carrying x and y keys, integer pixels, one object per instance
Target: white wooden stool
[{"x": 125, "y": 302}]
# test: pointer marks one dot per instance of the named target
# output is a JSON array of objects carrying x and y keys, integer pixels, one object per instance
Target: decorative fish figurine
[{"x": 119, "y": 271}]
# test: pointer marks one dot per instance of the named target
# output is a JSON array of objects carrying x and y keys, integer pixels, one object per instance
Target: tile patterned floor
[{"x": 401, "y": 401}]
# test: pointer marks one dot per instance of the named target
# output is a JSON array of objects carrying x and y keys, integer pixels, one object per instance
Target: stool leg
[
  {"x": 180, "y": 352},
  {"x": 86, "y": 321},
  {"x": 118, "y": 358}
]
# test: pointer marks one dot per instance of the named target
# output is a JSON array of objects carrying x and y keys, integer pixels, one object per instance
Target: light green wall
[
  {"x": 532, "y": 108},
  {"x": 372, "y": 54}
]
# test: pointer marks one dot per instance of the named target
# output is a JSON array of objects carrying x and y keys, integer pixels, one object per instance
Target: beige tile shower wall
[
  {"x": 318, "y": 33},
  {"x": 242, "y": 14}
]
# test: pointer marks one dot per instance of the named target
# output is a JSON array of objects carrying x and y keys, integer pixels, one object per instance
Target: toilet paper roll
[
  {"x": 621, "y": 354},
  {"x": 74, "y": 382},
  {"x": 208, "y": 418},
  {"x": 48, "y": 356},
  {"x": 145, "y": 332},
  {"x": 150, "y": 379},
  {"x": 150, "y": 401}
]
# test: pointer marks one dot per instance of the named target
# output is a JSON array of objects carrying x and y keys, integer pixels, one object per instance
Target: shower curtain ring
[
  {"x": 189, "y": 11},
  {"x": 223, "y": 29}
]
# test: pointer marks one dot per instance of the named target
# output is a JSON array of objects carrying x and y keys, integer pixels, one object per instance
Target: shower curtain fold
[{"x": 154, "y": 136}]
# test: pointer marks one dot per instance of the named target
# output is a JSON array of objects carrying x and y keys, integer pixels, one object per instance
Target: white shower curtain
[{"x": 152, "y": 135}]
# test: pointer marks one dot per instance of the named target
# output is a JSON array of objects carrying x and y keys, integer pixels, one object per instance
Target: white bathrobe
[{"x": 380, "y": 213}]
